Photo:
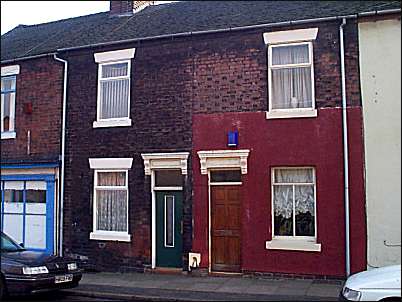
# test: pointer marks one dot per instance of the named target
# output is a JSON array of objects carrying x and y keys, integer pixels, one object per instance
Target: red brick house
[
  {"x": 31, "y": 122},
  {"x": 211, "y": 134}
]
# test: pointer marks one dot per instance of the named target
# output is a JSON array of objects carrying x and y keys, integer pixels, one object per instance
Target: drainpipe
[
  {"x": 345, "y": 148},
  {"x": 63, "y": 148}
]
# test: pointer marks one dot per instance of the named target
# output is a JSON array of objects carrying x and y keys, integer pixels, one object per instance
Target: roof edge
[
  {"x": 28, "y": 58},
  {"x": 229, "y": 29},
  {"x": 275, "y": 24}
]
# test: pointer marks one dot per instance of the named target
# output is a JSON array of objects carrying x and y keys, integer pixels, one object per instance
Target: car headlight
[
  {"x": 35, "y": 270},
  {"x": 72, "y": 266},
  {"x": 350, "y": 294}
]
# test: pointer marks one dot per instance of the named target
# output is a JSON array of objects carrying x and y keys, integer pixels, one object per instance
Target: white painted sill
[
  {"x": 293, "y": 245},
  {"x": 277, "y": 114},
  {"x": 112, "y": 123},
  {"x": 112, "y": 236},
  {"x": 8, "y": 135}
]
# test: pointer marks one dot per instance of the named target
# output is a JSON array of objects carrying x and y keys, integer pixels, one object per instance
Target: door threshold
[
  {"x": 226, "y": 274},
  {"x": 168, "y": 270}
]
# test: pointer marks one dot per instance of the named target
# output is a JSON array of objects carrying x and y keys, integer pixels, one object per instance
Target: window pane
[
  {"x": 304, "y": 206},
  {"x": 111, "y": 210},
  {"x": 283, "y": 209},
  {"x": 13, "y": 201},
  {"x": 114, "y": 70},
  {"x": 168, "y": 178},
  {"x": 36, "y": 201},
  {"x": 169, "y": 220},
  {"x": 6, "y": 100},
  {"x": 114, "y": 97},
  {"x": 293, "y": 175},
  {"x": 291, "y": 88},
  {"x": 226, "y": 176},
  {"x": 111, "y": 178},
  {"x": 296, "y": 54},
  {"x": 7, "y": 83}
]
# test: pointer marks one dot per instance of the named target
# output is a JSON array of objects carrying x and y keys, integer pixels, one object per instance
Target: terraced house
[{"x": 204, "y": 136}]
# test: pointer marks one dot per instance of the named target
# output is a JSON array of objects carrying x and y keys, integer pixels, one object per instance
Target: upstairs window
[
  {"x": 291, "y": 77},
  {"x": 8, "y": 90},
  {"x": 113, "y": 105},
  {"x": 291, "y": 73},
  {"x": 114, "y": 91}
]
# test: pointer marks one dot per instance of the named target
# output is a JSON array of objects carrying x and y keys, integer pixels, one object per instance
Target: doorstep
[{"x": 165, "y": 271}]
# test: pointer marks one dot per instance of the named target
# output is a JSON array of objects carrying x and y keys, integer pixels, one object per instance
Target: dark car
[{"x": 26, "y": 272}]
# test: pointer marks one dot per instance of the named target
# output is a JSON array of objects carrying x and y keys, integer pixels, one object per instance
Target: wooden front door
[{"x": 225, "y": 228}]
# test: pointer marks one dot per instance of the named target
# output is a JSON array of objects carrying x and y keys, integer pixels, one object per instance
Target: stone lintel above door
[
  {"x": 154, "y": 161},
  {"x": 223, "y": 159}
]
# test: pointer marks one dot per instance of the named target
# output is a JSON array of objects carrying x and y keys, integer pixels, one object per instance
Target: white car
[{"x": 379, "y": 284}]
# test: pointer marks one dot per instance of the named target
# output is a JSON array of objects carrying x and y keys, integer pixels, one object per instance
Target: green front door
[{"x": 169, "y": 228}]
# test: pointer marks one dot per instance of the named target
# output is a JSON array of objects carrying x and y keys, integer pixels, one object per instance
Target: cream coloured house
[{"x": 380, "y": 74}]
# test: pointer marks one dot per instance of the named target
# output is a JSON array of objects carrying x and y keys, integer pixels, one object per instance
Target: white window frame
[
  {"x": 109, "y": 165},
  {"x": 111, "y": 58},
  {"x": 298, "y": 243},
  {"x": 102, "y": 234},
  {"x": 9, "y": 71},
  {"x": 173, "y": 230},
  {"x": 290, "y": 38}
]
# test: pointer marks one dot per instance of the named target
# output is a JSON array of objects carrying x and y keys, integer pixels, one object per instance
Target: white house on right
[{"x": 380, "y": 75}]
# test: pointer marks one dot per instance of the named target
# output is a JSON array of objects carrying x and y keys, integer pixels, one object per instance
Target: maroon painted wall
[
  {"x": 40, "y": 82},
  {"x": 313, "y": 142}
]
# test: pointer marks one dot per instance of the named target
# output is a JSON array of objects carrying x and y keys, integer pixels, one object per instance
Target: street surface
[{"x": 58, "y": 296}]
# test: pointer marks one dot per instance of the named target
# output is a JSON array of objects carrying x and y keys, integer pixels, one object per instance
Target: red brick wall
[
  {"x": 161, "y": 111},
  {"x": 171, "y": 81},
  {"x": 230, "y": 70},
  {"x": 40, "y": 82}
]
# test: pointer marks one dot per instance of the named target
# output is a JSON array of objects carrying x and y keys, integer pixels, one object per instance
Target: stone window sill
[
  {"x": 8, "y": 135},
  {"x": 293, "y": 245},
  {"x": 112, "y": 123},
  {"x": 277, "y": 114},
  {"x": 110, "y": 236}
]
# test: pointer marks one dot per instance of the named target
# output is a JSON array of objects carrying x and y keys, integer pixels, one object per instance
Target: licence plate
[{"x": 64, "y": 278}]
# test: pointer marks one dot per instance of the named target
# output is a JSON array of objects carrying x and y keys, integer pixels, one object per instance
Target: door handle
[{"x": 181, "y": 227}]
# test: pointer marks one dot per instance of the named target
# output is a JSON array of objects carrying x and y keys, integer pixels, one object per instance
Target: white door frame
[
  {"x": 161, "y": 161},
  {"x": 219, "y": 160}
]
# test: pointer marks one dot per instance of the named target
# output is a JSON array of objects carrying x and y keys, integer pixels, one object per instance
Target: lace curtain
[
  {"x": 111, "y": 204},
  {"x": 291, "y": 86},
  {"x": 303, "y": 194},
  {"x": 294, "y": 191},
  {"x": 114, "y": 93}
]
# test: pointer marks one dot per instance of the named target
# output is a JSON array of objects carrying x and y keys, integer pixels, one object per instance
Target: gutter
[
  {"x": 28, "y": 58},
  {"x": 63, "y": 148},
  {"x": 345, "y": 148},
  {"x": 229, "y": 29}
]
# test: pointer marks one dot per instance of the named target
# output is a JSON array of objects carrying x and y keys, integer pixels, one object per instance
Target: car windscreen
[{"x": 8, "y": 245}]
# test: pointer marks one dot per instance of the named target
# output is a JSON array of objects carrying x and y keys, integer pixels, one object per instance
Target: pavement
[{"x": 163, "y": 287}]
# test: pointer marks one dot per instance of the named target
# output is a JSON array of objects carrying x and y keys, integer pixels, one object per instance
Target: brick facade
[
  {"x": 170, "y": 82},
  {"x": 161, "y": 113},
  {"x": 40, "y": 83}
]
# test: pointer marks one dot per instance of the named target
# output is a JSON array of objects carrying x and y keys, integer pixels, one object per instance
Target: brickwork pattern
[
  {"x": 40, "y": 83},
  {"x": 171, "y": 81},
  {"x": 161, "y": 112}
]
